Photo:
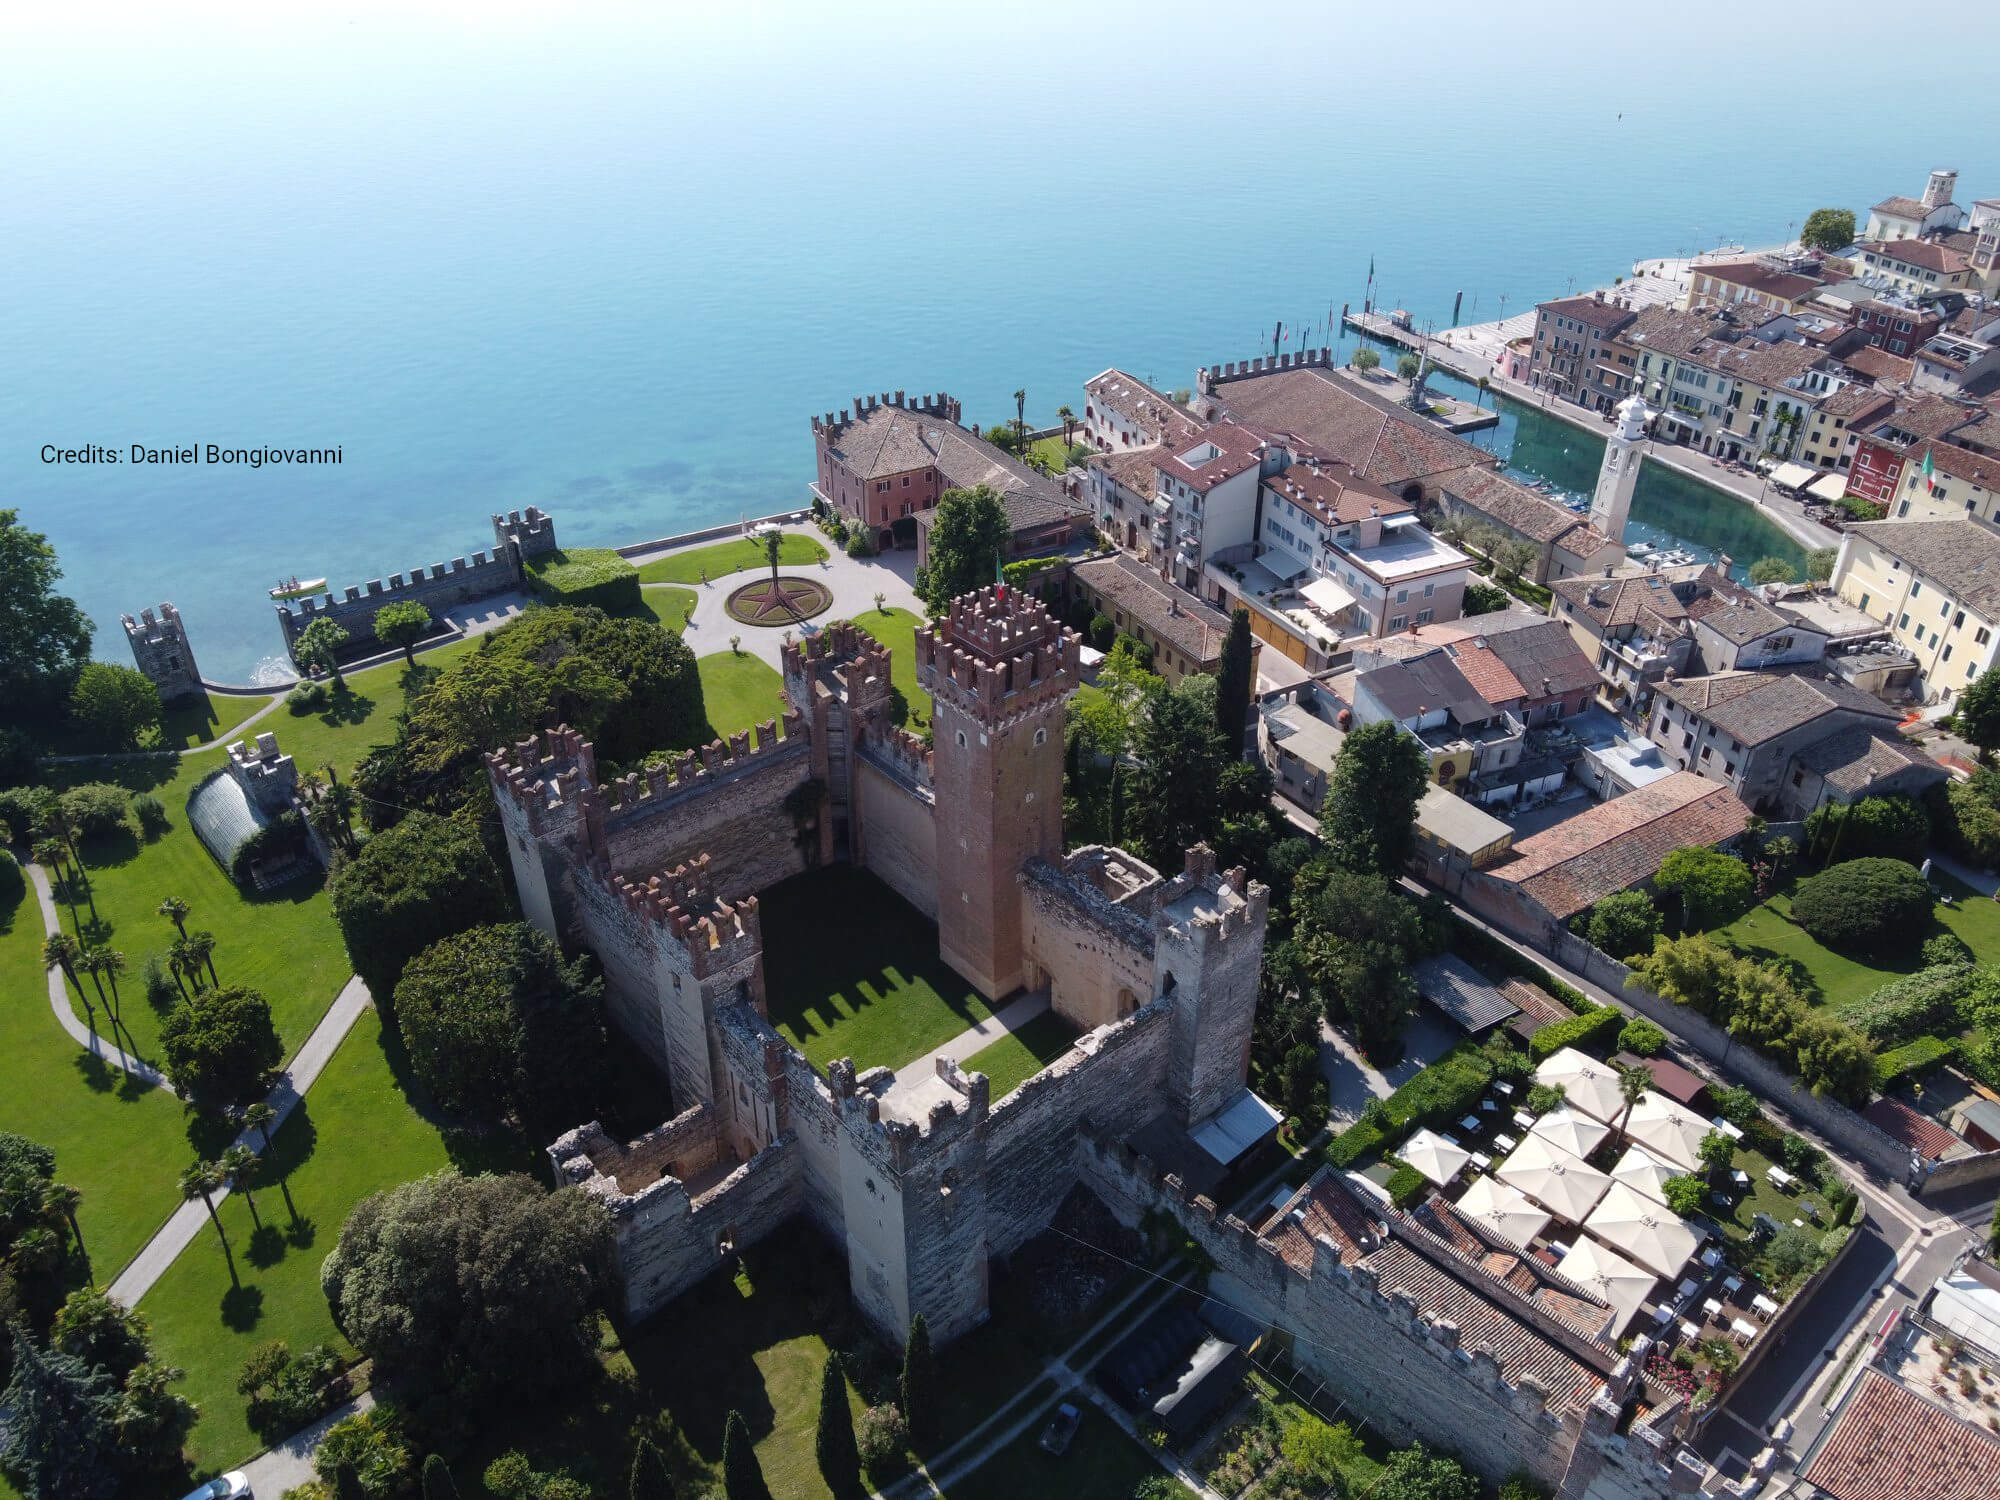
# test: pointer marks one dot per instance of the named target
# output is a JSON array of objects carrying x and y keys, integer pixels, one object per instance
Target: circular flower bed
[{"x": 785, "y": 602}]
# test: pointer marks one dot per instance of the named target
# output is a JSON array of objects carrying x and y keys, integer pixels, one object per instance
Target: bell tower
[
  {"x": 1611, "y": 505},
  {"x": 999, "y": 669}
]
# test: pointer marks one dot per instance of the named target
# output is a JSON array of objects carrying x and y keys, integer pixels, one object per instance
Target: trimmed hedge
[
  {"x": 1911, "y": 1060},
  {"x": 587, "y": 575},
  {"x": 1406, "y": 1185},
  {"x": 1907, "y": 1008},
  {"x": 1442, "y": 1092},
  {"x": 1865, "y": 907},
  {"x": 1594, "y": 1032}
]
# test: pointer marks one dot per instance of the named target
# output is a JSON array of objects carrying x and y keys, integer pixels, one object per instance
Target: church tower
[
  {"x": 999, "y": 669},
  {"x": 1611, "y": 505}
]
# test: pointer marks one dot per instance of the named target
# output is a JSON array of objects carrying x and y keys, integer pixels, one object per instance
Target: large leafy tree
[
  {"x": 44, "y": 635},
  {"x": 59, "y": 1434},
  {"x": 402, "y": 625},
  {"x": 1356, "y": 938},
  {"x": 1180, "y": 754},
  {"x": 1369, "y": 820},
  {"x": 220, "y": 1048},
  {"x": 1979, "y": 710},
  {"x": 1418, "y": 1474},
  {"x": 969, "y": 537},
  {"x": 1712, "y": 887},
  {"x": 1828, "y": 229},
  {"x": 410, "y": 885},
  {"x": 476, "y": 1286},
  {"x": 100, "y": 1332},
  {"x": 318, "y": 648},
  {"x": 498, "y": 1023},
  {"x": 117, "y": 705}
]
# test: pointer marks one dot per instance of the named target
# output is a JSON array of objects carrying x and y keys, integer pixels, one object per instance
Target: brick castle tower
[{"x": 999, "y": 669}]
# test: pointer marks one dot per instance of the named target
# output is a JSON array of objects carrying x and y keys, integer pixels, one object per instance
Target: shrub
[
  {"x": 1802, "y": 1158},
  {"x": 1965, "y": 823},
  {"x": 410, "y": 885},
  {"x": 594, "y": 576},
  {"x": 1643, "y": 1037},
  {"x": 1912, "y": 1060},
  {"x": 1544, "y": 1097},
  {"x": 1623, "y": 924},
  {"x": 12, "y": 887},
  {"x": 1928, "y": 1001},
  {"x": 1870, "y": 907},
  {"x": 281, "y": 838},
  {"x": 1593, "y": 1032},
  {"x": 1685, "y": 1195},
  {"x": 1483, "y": 598},
  {"x": 161, "y": 991},
  {"x": 23, "y": 809},
  {"x": 286, "y": 1391},
  {"x": 369, "y": 1444},
  {"x": 883, "y": 1441},
  {"x": 97, "y": 808},
  {"x": 1735, "y": 1104},
  {"x": 1946, "y": 948},
  {"x": 117, "y": 706},
  {"x": 307, "y": 698},
  {"x": 1793, "y": 1253},
  {"x": 1353, "y": 1143},
  {"x": 1102, "y": 632},
  {"x": 1873, "y": 828},
  {"x": 151, "y": 813},
  {"x": 1406, "y": 1185},
  {"x": 861, "y": 543}
]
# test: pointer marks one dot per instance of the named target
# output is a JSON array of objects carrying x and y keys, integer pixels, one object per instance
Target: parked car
[
  {"x": 234, "y": 1485},
  {"x": 1062, "y": 1427}
]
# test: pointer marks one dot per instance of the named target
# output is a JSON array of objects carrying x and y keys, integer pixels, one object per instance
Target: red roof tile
[
  {"x": 1891, "y": 1444},
  {"x": 1919, "y": 1132}
]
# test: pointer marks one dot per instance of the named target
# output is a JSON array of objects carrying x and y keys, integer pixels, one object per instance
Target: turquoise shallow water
[{"x": 609, "y": 261}]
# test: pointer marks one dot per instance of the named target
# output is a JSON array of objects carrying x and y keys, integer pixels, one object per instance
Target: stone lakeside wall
[
  {"x": 1111, "y": 1076},
  {"x": 895, "y": 827},
  {"x": 1856, "y": 1137}
]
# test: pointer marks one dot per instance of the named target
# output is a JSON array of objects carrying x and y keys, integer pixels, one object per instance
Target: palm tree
[
  {"x": 201, "y": 950},
  {"x": 1632, "y": 1086},
  {"x": 774, "y": 542},
  {"x": 87, "y": 962},
  {"x": 183, "y": 963},
  {"x": 60, "y": 1201},
  {"x": 1021, "y": 421},
  {"x": 111, "y": 963},
  {"x": 1485, "y": 385},
  {"x": 59, "y": 823},
  {"x": 50, "y": 855},
  {"x": 176, "y": 911},
  {"x": 1068, "y": 418},
  {"x": 260, "y": 1117},
  {"x": 61, "y": 951},
  {"x": 203, "y": 1180},
  {"x": 37, "y": 1251},
  {"x": 242, "y": 1165}
]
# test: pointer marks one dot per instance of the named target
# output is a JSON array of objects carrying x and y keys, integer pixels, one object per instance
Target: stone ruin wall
[
  {"x": 438, "y": 587},
  {"x": 1089, "y": 950}
]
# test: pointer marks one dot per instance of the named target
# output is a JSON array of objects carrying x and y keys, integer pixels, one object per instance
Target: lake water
[{"x": 608, "y": 260}]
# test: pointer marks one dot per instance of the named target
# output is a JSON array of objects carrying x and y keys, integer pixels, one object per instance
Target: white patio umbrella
[
  {"x": 1639, "y": 1169},
  {"x": 1649, "y": 1233},
  {"x": 1565, "y": 1185},
  {"x": 1610, "y": 1277},
  {"x": 1592, "y": 1086},
  {"x": 1504, "y": 1210},
  {"x": 1434, "y": 1156},
  {"x": 1576, "y": 1133},
  {"x": 1669, "y": 1130}
]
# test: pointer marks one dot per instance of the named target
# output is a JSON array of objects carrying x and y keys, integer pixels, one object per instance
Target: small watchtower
[
  {"x": 999, "y": 669},
  {"x": 1208, "y": 951},
  {"x": 160, "y": 648}
]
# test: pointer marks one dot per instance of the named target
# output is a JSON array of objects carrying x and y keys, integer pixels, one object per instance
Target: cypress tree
[
  {"x": 1233, "y": 683},
  {"x": 742, "y": 1476},
  {"x": 919, "y": 1383},
  {"x": 839, "y": 1459},
  {"x": 649, "y": 1479},
  {"x": 438, "y": 1483}
]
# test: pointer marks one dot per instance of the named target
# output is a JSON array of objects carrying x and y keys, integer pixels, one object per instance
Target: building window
[
  {"x": 1041, "y": 736},
  {"x": 1980, "y": 636},
  {"x": 1798, "y": 778},
  {"x": 1707, "y": 751},
  {"x": 961, "y": 739},
  {"x": 1947, "y": 654}
]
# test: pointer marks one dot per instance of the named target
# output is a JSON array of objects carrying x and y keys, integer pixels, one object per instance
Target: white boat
[{"x": 1639, "y": 549}]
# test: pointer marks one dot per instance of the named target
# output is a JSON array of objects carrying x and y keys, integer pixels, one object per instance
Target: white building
[
  {"x": 1909, "y": 218},
  {"x": 1618, "y": 475}
]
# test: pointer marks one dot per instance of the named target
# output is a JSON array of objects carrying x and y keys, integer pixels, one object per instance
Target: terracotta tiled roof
[
  {"x": 1236, "y": 448},
  {"x": 1747, "y": 273},
  {"x": 1856, "y": 403},
  {"x": 1890, "y": 1443},
  {"x": 1482, "y": 666},
  {"x": 1141, "y": 405},
  {"x": 1975, "y": 468},
  {"x": 1132, "y": 468},
  {"x": 1756, "y": 707},
  {"x": 1512, "y": 505},
  {"x": 1615, "y": 845},
  {"x": 1335, "y": 493},
  {"x": 1964, "y": 556},
  {"x": 1919, "y": 1132},
  {"x": 1383, "y": 442},
  {"x": 1923, "y": 254},
  {"x": 1534, "y": 1001},
  {"x": 1879, "y": 365},
  {"x": 1173, "y": 615},
  {"x": 1854, "y": 759},
  {"x": 1329, "y": 1212},
  {"x": 1593, "y": 312},
  {"x": 894, "y": 440},
  {"x": 1902, "y": 208}
]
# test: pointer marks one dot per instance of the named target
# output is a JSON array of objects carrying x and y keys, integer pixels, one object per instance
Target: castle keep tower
[
  {"x": 999, "y": 669},
  {"x": 1611, "y": 504},
  {"x": 1208, "y": 951},
  {"x": 160, "y": 648}
]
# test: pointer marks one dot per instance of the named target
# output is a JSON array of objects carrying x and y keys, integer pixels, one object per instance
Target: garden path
[
  {"x": 287, "y": 1465},
  {"x": 85, "y": 1036},
  {"x": 974, "y": 1038}
]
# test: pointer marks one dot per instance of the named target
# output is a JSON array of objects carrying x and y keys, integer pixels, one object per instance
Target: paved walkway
[
  {"x": 1004, "y": 1022},
  {"x": 854, "y": 581},
  {"x": 287, "y": 1465},
  {"x": 85, "y": 1036},
  {"x": 191, "y": 1219}
]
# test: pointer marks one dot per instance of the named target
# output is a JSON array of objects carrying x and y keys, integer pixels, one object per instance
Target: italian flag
[{"x": 1930, "y": 472}]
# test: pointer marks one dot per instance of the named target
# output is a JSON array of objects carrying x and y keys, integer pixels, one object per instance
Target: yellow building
[
  {"x": 1936, "y": 585},
  {"x": 1959, "y": 483}
]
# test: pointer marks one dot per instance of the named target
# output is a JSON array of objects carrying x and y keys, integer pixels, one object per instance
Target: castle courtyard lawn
[
  {"x": 354, "y": 1134},
  {"x": 897, "y": 630},
  {"x": 740, "y": 691},
  {"x": 705, "y": 564},
  {"x": 1020, "y": 1055},
  {"x": 118, "y": 1143},
  {"x": 852, "y": 970},
  {"x": 1767, "y": 931},
  {"x": 1102, "y": 1460}
]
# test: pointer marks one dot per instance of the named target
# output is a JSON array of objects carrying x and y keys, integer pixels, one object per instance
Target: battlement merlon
[
  {"x": 857, "y": 663},
  {"x": 716, "y": 934},
  {"x": 1209, "y": 376},
  {"x": 1199, "y": 903},
  {"x": 955, "y": 1114},
  {"x": 532, "y": 531},
  {"x": 995, "y": 657},
  {"x": 945, "y": 408},
  {"x": 636, "y": 789},
  {"x": 546, "y": 775}
]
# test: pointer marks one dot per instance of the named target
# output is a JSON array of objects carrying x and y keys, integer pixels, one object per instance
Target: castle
[{"x": 922, "y": 1177}]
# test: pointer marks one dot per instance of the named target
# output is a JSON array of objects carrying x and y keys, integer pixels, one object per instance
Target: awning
[
  {"x": 1669, "y": 1130},
  {"x": 1434, "y": 1156},
  {"x": 1565, "y": 1185},
  {"x": 1504, "y": 1210},
  {"x": 1327, "y": 596},
  {"x": 1640, "y": 1169},
  {"x": 1828, "y": 487},
  {"x": 1693, "y": 424},
  {"x": 1572, "y": 1130},
  {"x": 1236, "y": 1127},
  {"x": 1611, "y": 1277},
  {"x": 1649, "y": 1233},
  {"x": 1793, "y": 476},
  {"x": 1462, "y": 992},
  {"x": 1591, "y": 1086}
]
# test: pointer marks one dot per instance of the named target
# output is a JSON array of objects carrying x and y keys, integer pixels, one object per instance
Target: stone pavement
[
  {"x": 854, "y": 583},
  {"x": 287, "y": 1465},
  {"x": 84, "y": 1036},
  {"x": 1004, "y": 1022},
  {"x": 191, "y": 1219}
]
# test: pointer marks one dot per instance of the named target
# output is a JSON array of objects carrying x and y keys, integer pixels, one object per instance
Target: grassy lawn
[
  {"x": 852, "y": 970},
  {"x": 1740, "y": 1222},
  {"x": 1020, "y": 1055},
  {"x": 362, "y": 717},
  {"x": 1767, "y": 931},
  {"x": 741, "y": 691},
  {"x": 1101, "y": 1460},
  {"x": 354, "y": 1134},
  {"x": 897, "y": 630},
  {"x": 196, "y": 721},
  {"x": 118, "y": 1143},
  {"x": 668, "y": 604},
  {"x": 701, "y": 564}
]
